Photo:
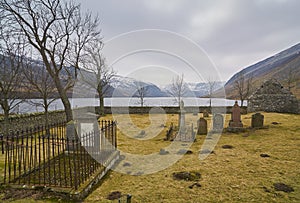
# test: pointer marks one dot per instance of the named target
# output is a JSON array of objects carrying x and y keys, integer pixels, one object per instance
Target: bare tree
[
  {"x": 102, "y": 75},
  {"x": 212, "y": 85},
  {"x": 57, "y": 33},
  {"x": 40, "y": 84},
  {"x": 291, "y": 78},
  {"x": 141, "y": 91},
  {"x": 243, "y": 86},
  {"x": 178, "y": 88},
  {"x": 11, "y": 78}
]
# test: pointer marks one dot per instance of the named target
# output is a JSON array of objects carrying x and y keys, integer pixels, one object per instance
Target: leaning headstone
[
  {"x": 257, "y": 120},
  {"x": 218, "y": 122},
  {"x": 202, "y": 127},
  {"x": 235, "y": 121}
]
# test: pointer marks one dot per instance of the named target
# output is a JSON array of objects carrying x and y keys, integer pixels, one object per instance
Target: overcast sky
[{"x": 233, "y": 33}]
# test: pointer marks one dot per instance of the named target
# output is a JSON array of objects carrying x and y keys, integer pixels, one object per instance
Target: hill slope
[{"x": 283, "y": 66}]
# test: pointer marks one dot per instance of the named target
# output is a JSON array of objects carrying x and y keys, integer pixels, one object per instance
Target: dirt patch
[
  {"x": 283, "y": 187},
  {"x": 184, "y": 151},
  {"x": 126, "y": 164},
  {"x": 206, "y": 151},
  {"x": 187, "y": 176},
  {"x": 114, "y": 195},
  {"x": 195, "y": 184},
  {"x": 226, "y": 146},
  {"x": 163, "y": 152},
  {"x": 266, "y": 189},
  {"x": 264, "y": 155}
]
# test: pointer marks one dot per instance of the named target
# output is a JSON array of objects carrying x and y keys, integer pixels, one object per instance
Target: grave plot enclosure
[{"x": 45, "y": 156}]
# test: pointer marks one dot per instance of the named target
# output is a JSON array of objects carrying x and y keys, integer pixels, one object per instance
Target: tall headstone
[
  {"x": 218, "y": 122},
  {"x": 257, "y": 120},
  {"x": 235, "y": 121},
  {"x": 181, "y": 121},
  {"x": 202, "y": 127}
]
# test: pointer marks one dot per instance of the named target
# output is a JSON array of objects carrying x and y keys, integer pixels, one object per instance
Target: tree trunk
[
  {"x": 67, "y": 106},
  {"x": 242, "y": 102},
  {"x": 64, "y": 98},
  {"x": 101, "y": 104},
  {"x": 60, "y": 88},
  {"x": 46, "y": 106},
  {"x": 6, "y": 117}
]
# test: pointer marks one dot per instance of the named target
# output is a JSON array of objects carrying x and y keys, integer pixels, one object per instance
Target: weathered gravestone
[
  {"x": 202, "y": 127},
  {"x": 218, "y": 122},
  {"x": 235, "y": 121},
  {"x": 181, "y": 121},
  {"x": 257, "y": 120}
]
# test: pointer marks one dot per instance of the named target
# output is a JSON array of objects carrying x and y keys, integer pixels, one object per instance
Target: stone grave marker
[
  {"x": 181, "y": 120},
  {"x": 235, "y": 121},
  {"x": 218, "y": 122},
  {"x": 202, "y": 127},
  {"x": 257, "y": 120}
]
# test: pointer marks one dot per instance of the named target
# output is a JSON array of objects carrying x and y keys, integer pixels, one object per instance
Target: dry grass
[{"x": 228, "y": 175}]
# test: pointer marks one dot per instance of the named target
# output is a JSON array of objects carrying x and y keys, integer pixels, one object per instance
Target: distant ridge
[{"x": 282, "y": 67}]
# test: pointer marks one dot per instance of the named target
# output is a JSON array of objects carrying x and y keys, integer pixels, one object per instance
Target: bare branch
[
  {"x": 178, "y": 88},
  {"x": 58, "y": 33}
]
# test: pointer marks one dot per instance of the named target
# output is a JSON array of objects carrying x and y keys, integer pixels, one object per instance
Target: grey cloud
[{"x": 235, "y": 33}]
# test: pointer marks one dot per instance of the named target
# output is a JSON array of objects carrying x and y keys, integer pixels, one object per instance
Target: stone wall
[
  {"x": 23, "y": 121},
  {"x": 273, "y": 97},
  {"x": 167, "y": 110},
  {"x": 20, "y": 122}
]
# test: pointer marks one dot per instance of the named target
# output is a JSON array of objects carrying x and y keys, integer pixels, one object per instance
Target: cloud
[
  {"x": 164, "y": 6},
  {"x": 234, "y": 33}
]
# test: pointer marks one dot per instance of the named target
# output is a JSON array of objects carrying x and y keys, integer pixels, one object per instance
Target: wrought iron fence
[{"x": 47, "y": 156}]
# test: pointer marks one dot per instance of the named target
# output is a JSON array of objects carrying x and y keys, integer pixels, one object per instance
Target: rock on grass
[{"x": 114, "y": 195}]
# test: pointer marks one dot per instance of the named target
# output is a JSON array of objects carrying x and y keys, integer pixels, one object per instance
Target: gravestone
[
  {"x": 202, "y": 127},
  {"x": 257, "y": 120},
  {"x": 87, "y": 124},
  {"x": 181, "y": 121},
  {"x": 218, "y": 122},
  {"x": 205, "y": 114},
  {"x": 235, "y": 121}
]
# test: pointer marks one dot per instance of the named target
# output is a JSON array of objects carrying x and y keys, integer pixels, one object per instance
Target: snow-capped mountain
[
  {"x": 193, "y": 89},
  {"x": 128, "y": 87},
  {"x": 121, "y": 86}
]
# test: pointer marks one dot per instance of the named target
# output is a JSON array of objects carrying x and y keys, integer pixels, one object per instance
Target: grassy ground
[{"x": 228, "y": 175}]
